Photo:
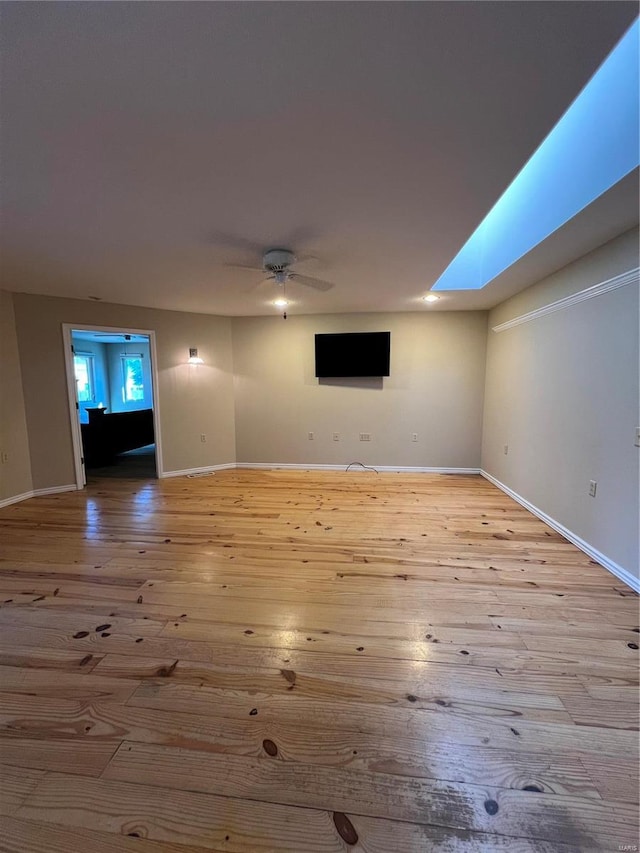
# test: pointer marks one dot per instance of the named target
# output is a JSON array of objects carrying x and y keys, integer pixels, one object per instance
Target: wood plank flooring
[{"x": 310, "y": 662}]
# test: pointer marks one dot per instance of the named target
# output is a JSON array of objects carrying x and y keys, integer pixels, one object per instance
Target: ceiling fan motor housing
[{"x": 278, "y": 260}]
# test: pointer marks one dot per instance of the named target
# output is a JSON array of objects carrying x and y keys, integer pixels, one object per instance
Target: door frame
[{"x": 76, "y": 432}]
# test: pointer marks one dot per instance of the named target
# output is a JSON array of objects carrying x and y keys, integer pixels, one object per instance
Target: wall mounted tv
[{"x": 353, "y": 354}]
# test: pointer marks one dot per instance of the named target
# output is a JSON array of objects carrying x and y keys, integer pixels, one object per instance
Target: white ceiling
[{"x": 148, "y": 145}]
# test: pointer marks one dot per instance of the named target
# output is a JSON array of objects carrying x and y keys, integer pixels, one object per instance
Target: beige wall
[
  {"x": 562, "y": 391},
  {"x": 435, "y": 389},
  {"x": 15, "y": 473},
  {"x": 192, "y": 400}
]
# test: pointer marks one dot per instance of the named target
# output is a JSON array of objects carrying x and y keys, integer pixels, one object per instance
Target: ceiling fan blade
[
  {"x": 306, "y": 259},
  {"x": 235, "y": 241},
  {"x": 244, "y": 267},
  {"x": 316, "y": 283}
]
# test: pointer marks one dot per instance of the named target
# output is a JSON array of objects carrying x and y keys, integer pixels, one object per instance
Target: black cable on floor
[{"x": 367, "y": 467}]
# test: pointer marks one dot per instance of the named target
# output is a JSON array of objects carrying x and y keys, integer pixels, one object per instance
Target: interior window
[
  {"x": 132, "y": 379},
  {"x": 85, "y": 382}
]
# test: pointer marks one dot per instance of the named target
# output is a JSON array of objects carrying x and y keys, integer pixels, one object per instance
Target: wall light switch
[
  {"x": 414, "y": 436},
  {"x": 336, "y": 436},
  {"x": 506, "y": 449},
  {"x": 365, "y": 436},
  {"x": 592, "y": 488},
  {"x": 311, "y": 436}
]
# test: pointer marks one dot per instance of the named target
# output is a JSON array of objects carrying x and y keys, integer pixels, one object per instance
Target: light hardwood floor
[{"x": 310, "y": 662}]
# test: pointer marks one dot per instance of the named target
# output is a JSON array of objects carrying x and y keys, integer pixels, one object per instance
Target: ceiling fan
[
  {"x": 278, "y": 263},
  {"x": 112, "y": 335}
]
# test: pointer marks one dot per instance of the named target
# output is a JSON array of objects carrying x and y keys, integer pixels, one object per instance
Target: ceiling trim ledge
[{"x": 630, "y": 277}]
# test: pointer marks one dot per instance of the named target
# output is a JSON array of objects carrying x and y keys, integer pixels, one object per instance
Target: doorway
[{"x": 113, "y": 400}]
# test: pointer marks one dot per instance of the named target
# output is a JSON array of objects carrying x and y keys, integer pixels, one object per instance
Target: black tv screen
[{"x": 353, "y": 354}]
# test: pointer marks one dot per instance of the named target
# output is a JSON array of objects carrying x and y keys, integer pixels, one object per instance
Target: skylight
[{"x": 593, "y": 146}]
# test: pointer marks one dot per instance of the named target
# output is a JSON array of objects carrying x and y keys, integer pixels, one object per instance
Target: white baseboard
[
  {"x": 356, "y": 466},
  {"x": 53, "y": 490},
  {"x": 207, "y": 469},
  {"x": 35, "y": 493},
  {"x": 16, "y": 499},
  {"x": 289, "y": 466},
  {"x": 408, "y": 469},
  {"x": 623, "y": 575}
]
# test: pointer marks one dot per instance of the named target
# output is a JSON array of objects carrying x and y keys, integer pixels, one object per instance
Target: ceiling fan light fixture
[
  {"x": 278, "y": 263},
  {"x": 430, "y": 297}
]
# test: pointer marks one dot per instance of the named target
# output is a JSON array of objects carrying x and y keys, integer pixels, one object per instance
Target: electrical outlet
[
  {"x": 4, "y": 457},
  {"x": 203, "y": 437},
  {"x": 311, "y": 436},
  {"x": 638, "y": 437},
  {"x": 414, "y": 436},
  {"x": 592, "y": 488},
  {"x": 506, "y": 449},
  {"x": 336, "y": 436},
  {"x": 365, "y": 436}
]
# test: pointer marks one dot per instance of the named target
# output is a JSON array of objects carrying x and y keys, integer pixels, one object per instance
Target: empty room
[{"x": 319, "y": 427}]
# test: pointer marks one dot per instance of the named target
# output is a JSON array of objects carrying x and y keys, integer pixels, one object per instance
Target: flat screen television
[{"x": 353, "y": 354}]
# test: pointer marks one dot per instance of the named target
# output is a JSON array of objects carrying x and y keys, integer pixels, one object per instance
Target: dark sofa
[{"x": 106, "y": 435}]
